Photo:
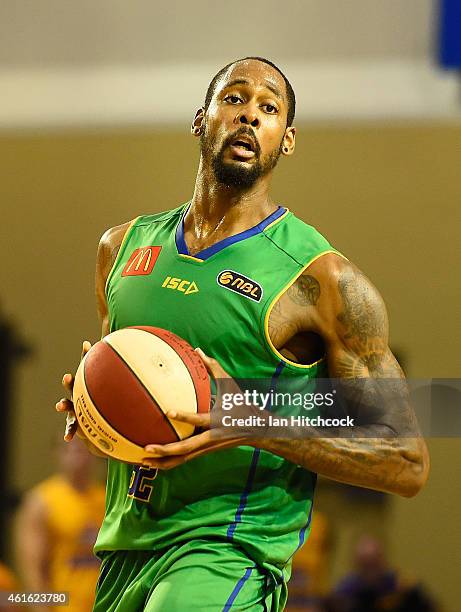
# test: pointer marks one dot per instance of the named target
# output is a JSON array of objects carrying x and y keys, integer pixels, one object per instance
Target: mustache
[{"x": 243, "y": 131}]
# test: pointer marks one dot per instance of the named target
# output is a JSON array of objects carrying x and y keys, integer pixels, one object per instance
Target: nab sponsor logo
[
  {"x": 142, "y": 261},
  {"x": 240, "y": 284},
  {"x": 180, "y": 284}
]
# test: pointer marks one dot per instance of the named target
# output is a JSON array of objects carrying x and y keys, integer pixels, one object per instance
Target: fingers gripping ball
[{"x": 127, "y": 382}]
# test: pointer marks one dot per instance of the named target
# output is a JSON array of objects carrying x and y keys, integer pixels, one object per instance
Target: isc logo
[
  {"x": 180, "y": 284},
  {"x": 240, "y": 284}
]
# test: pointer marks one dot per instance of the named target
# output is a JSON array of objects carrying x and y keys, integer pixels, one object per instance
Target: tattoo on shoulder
[
  {"x": 364, "y": 320},
  {"x": 363, "y": 315},
  {"x": 305, "y": 291}
]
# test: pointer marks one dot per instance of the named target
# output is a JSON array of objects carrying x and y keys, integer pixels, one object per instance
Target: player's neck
[{"x": 232, "y": 210}]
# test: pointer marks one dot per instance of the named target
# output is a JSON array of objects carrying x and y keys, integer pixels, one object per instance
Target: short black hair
[{"x": 290, "y": 93}]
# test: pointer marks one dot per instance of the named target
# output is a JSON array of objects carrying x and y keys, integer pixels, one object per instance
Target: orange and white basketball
[{"x": 128, "y": 381}]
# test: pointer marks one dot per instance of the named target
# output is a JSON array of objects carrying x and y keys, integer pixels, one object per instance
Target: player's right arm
[{"x": 108, "y": 248}]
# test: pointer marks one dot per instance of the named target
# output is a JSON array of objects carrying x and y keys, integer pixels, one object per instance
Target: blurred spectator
[
  {"x": 8, "y": 580},
  {"x": 309, "y": 577},
  {"x": 57, "y": 527},
  {"x": 375, "y": 586}
]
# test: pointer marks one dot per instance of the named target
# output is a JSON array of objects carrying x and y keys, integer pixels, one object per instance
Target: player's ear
[
  {"x": 288, "y": 144},
  {"x": 197, "y": 123}
]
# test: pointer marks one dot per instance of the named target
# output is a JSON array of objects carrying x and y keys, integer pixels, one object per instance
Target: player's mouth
[{"x": 243, "y": 147}]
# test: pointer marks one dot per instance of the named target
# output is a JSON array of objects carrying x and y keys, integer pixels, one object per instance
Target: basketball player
[
  {"x": 218, "y": 531},
  {"x": 56, "y": 531}
]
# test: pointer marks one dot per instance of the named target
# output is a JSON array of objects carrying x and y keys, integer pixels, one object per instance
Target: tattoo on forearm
[{"x": 379, "y": 463}]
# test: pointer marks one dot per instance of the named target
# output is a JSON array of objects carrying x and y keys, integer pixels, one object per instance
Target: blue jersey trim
[
  {"x": 244, "y": 497},
  {"x": 222, "y": 244},
  {"x": 302, "y": 533},
  {"x": 254, "y": 463},
  {"x": 238, "y": 587},
  {"x": 275, "y": 377}
]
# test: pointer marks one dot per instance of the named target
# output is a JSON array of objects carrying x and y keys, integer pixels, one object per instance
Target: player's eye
[
  {"x": 270, "y": 108},
  {"x": 233, "y": 99}
]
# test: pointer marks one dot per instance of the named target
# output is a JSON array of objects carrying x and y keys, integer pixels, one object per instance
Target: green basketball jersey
[{"x": 220, "y": 300}]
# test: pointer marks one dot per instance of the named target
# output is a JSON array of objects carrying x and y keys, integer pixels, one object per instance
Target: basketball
[{"x": 128, "y": 381}]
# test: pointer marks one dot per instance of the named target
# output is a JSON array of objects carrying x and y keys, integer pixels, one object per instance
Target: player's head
[
  {"x": 246, "y": 121},
  {"x": 290, "y": 94}
]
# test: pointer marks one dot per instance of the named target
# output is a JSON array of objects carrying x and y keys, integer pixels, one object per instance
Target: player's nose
[{"x": 248, "y": 116}]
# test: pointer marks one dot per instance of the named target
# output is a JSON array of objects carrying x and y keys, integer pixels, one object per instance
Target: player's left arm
[{"x": 387, "y": 452}]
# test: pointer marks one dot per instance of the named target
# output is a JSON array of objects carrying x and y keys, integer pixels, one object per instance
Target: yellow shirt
[
  {"x": 74, "y": 518},
  {"x": 8, "y": 580}
]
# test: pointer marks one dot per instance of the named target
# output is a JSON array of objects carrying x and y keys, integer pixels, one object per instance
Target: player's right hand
[{"x": 66, "y": 405}]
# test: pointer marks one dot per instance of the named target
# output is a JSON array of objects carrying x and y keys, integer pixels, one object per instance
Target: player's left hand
[{"x": 167, "y": 456}]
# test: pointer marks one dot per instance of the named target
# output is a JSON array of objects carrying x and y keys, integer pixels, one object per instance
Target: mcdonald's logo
[{"x": 142, "y": 261}]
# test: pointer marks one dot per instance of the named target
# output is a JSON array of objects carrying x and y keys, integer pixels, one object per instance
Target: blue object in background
[{"x": 450, "y": 33}]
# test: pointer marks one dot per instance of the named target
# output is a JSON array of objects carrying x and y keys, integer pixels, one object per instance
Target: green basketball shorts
[{"x": 202, "y": 575}]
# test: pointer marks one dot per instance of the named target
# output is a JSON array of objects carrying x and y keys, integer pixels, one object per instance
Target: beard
[{"x": 233, "y": 173}]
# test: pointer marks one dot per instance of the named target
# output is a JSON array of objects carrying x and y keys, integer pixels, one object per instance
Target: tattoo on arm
[
  {"x": 363, "y": 331},
  {"x": 305, "y": 291},
  {"x": 283, "y": 325},
  {"x": 361, "y": 316},
  {"x": 383, "y": 451},
  {"x": 370, "y": 378}
]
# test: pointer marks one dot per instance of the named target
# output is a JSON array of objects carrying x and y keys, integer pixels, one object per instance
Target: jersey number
[{"x": 140, "y": 483}]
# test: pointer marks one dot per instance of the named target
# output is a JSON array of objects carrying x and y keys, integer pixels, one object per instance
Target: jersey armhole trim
[
  {"x": 122, "y": 245},
  {"x": 277, "y": 353}
]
